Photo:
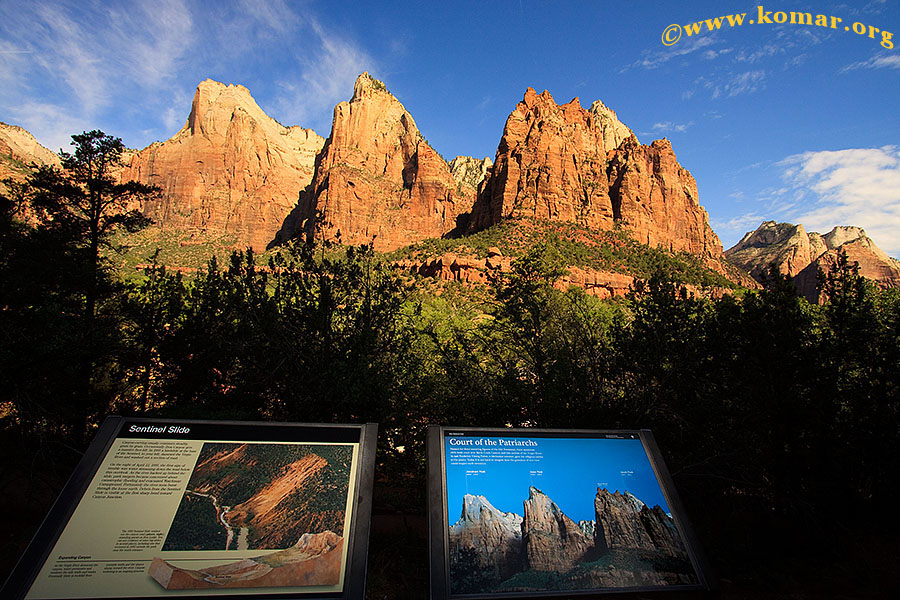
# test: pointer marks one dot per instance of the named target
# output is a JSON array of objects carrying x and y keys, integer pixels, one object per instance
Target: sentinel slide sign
[
  {"x": 547, "y": 513},
  {"x": 162, "y": 508}
]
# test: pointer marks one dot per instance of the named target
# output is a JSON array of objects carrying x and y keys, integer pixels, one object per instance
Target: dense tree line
[{"x": 779, "y": 419}]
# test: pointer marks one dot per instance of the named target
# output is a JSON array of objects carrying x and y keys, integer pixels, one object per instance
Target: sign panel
[
  {"x": 536, "y": 513},
  {"x": 189, "y": 508}
]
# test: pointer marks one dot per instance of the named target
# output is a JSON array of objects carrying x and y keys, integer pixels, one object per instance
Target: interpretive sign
[
  {"x": 548, "y": 513},
  {"x": 170, "y": 508}
]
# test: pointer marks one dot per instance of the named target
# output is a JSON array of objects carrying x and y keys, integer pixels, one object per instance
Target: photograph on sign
[
  {"x": 201, "y": 509},
  {"x": 535, "y": 511}
]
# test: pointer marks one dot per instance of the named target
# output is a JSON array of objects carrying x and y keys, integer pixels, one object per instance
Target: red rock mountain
[
  {"x": 555, "y": 162},
  {"x": 18, "y": 150},
  {"x": 377, "y": 179},
  {"x": 801, "y": 255},
  {"x": 231, "y": 169}
]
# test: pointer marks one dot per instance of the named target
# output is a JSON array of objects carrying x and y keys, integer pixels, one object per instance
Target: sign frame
[
  {"x": 439, "y": 520},
  {"x": 356, "y": 534}
]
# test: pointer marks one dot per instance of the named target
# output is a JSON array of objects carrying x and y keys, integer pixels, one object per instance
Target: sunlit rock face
[
  {"x": 565, "y": 163},
  {"x": 792, "y": 251},
  {"x": 378, "y": 180},
  {"x": 231, "y": 168}
]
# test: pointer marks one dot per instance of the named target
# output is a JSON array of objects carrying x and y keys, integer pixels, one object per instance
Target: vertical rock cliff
[
  {"x": 377, "y": 179},
  {"x": 491, "y": 537},
  {"x": 230, "y": 169},
  {"x": 562, "y": 162}
]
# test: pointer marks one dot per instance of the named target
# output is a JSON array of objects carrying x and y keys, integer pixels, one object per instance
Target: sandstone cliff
[
  {"x": 614, "y": 131},
  {"x": 562, "y": 162},
  {"x": 492, "y": 551},
  {"x": 793, "y": 251},
  {"x": 377, "y": 179},
  {"x": 230, "y": 169},
  {"x": 18, "y": 150},
  {"x": 624, "y": 522}
]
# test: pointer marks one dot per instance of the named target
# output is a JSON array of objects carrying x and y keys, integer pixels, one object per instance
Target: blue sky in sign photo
[{"x": 776, "y": 121}]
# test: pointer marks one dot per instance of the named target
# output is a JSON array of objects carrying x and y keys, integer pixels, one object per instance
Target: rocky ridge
[
  {"x": 793, "y": 251},
  {"x": 565, "y": 163}
]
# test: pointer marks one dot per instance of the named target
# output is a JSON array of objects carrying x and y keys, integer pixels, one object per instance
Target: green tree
[
  {"x": 85, "y": 200},
  {"x": 60, "y": 316}
]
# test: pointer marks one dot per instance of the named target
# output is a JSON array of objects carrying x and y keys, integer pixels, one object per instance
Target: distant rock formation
[
  {"x": 470, "y": 171},
  {"x": 623, "y": 522},
  {"x": 562, "y": 162},
  {"x": 377, "y": 179},
  {"x": 230, "y": 169},
  {"x": 18, "y": 150},
  {"x": 18, "y": 144},
  {"x": 793, "y": 251},
  {"x": 314, "y": 560}
]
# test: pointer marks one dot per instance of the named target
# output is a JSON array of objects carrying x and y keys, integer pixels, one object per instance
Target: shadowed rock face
[
  {"x": 493, "y": 537},
  {"x": 793, "y": 251},
  {"x": 378, "y": 179},
  {"x": 230, "y": 169},
  {"x": 562, "y": 162},
  {"x": 624, "y": 522},
  {"x": 552, "y": 541}
]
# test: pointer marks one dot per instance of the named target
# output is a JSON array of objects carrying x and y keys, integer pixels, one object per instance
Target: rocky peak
[
  {"x": 367, "y": 86},
  {"x": 564, "y": 163},
  {"x": 20, "y": 145},
  {"x": 842, "y": 234},
  {"x": 478, "y": 508},
  {"x": 378, "y": 180},
  {"x": 614, "y": 131},
  {"x": 799, "y": 254},
  {"x": 231, "y": 169},
  {"x": 493, "y": 536}
]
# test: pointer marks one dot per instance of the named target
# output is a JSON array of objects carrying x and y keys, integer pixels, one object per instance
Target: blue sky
[
  {"x": 775, "y": 121},
  {"x": 569, "y": 473}
]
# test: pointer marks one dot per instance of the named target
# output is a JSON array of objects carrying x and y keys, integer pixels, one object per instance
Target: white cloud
[
  {"x": 859, "y": 186},
  {"x": 328, "y": 71},
  {"x": 766, "y": 51},
  {"x": 670, "y": 127},
  {"x": 652, "y": 60},
  {"x": 882, "y": 61},
  {"x": 741, "y": 83}
]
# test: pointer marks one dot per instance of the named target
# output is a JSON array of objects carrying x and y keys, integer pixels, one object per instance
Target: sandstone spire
[
  {"x": 230, "y": 169},
  {"x": 377, "y": 179}
]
